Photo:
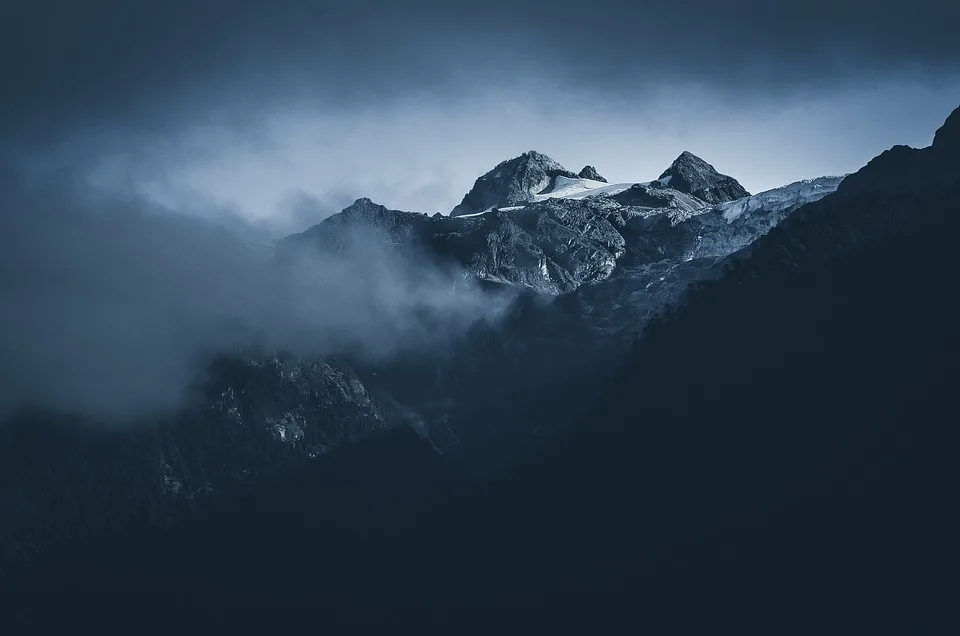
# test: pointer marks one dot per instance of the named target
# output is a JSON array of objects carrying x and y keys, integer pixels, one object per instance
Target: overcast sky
[{"x": 260, "y": 105}]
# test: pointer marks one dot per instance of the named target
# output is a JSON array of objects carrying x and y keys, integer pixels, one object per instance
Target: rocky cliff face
[
  {"x": 547, "y": 247},
  {"x": 551, "y": 247}
]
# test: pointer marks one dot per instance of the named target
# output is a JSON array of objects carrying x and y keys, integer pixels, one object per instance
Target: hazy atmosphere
[
  {"x": 265, "y": 117},
  {"x": 112, "y": 307}
]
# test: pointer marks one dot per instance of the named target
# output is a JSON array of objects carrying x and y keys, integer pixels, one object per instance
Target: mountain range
[
  {"x": 611, "y": 255},
  {"x": 562, "y": 377}
]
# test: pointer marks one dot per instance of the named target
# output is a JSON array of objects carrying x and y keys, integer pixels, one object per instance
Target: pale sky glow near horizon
[
  {"x": 285, "y": 112},
  {"x": 424, "y": 155}
]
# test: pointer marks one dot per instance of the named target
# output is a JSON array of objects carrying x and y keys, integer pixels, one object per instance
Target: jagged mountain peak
[
  {"x": 687, "y": 156},
  {"x": 589, "y": 172},
  {"x": 529, "y": 160},
  {"x": 513, "y": 181},
  {"x": 363, "y": 208},
  {"x": 688, "y": 161},
  {"x": 909, "y": 168},
  {"x": 364, "y": 220},
  {"x": 692, "y": 175},
  {"x": 533, "y": 155},
  {"x": 948, "y": 135},
  {"x": 363, "y": 203}
]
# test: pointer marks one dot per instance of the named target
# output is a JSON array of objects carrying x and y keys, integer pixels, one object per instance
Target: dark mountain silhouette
[{"x": 777, "y": 455}]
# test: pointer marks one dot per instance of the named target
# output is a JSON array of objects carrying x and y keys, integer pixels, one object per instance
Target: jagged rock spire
[
  {"x": 589, "y": 172},
  {"x": 947, "y": 138},
  {"x": 906, "y": 167},
  {"x": 692, "y": 175}
]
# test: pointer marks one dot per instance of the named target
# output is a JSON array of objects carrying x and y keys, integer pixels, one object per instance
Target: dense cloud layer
[
  {"x": 63, "y": 60},
  {"x": 112, "y": 307},
  {"x": 407, "y": 102}
]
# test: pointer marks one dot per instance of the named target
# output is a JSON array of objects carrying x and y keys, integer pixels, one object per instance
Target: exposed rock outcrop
[
  {"x": 589, "y": 172},
  {"x": 692, "y": 175}
]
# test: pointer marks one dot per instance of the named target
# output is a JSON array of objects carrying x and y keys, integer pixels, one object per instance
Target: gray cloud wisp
[
  {"x": 64, "y": 60},
  {"x": 111, "y": 307}
]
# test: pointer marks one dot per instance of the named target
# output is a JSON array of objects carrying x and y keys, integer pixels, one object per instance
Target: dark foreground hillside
[{"x": 779, "y": 455}]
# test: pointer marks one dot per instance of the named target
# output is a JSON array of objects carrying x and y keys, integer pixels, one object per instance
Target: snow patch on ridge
[
  {"x": 567, "y": 188},
  {"x": 789, "y": 196}
]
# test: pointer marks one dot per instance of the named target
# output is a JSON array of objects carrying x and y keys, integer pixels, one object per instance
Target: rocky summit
[
  {"x": 589, "y": 172},
  {"x": 692, "y": 175},
  {"x": 511, "y": 182},
  {"x": 545, "y": 231}
]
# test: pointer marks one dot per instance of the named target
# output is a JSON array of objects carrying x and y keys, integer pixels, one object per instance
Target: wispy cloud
[{"x": 111, "y": 307}]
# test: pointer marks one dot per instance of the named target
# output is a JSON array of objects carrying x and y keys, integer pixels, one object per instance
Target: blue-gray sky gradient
[{"x": 257, "y": 105}]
